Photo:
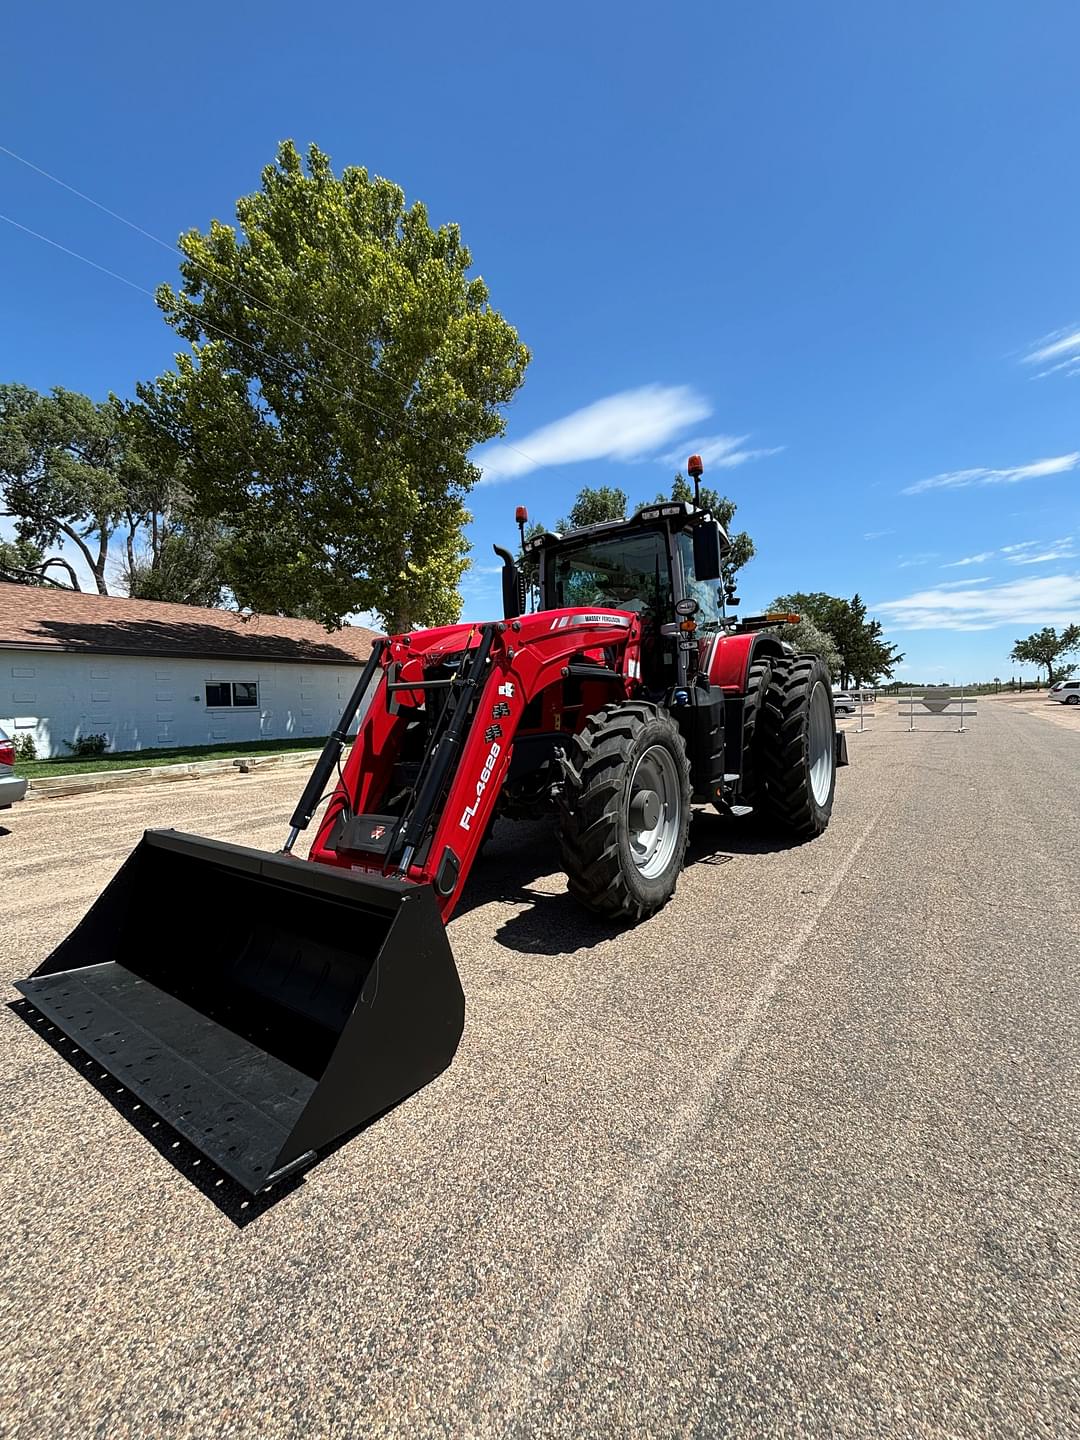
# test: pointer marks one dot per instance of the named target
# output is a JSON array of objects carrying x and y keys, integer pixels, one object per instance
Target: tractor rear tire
[
  {"x": 795, "y": 747},
  {"x": 624, "y": 810}
]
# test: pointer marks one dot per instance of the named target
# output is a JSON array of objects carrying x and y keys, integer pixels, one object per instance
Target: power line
[
  {"x": 213, "y": 274},
  {"x": 76, "y": 256},
  {"x": 206, "y": 324},
  {"x": 347, "y": 396},
  {"x": 176, "y": 250}
]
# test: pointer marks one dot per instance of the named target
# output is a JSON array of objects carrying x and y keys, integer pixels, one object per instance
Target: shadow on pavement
[{"x": 523, "y": 852}]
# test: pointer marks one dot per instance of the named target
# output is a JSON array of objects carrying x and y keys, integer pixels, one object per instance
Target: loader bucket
[{"x": 263, "y": 1006}]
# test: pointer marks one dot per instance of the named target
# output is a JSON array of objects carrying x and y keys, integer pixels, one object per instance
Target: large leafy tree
[
  {"x": 865, "y": 655},
  {"x": 1045, "y": 647},
  {"x": 94, "y": 478},
  {"x": 343, "y": 365},
  {"x": 63, "y": 476}
]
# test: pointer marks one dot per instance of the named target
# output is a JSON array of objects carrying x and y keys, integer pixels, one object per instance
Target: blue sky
[{"x": 834, "y": 246}]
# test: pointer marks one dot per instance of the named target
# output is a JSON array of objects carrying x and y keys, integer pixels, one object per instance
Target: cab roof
[{"x": 677, "y": 514}]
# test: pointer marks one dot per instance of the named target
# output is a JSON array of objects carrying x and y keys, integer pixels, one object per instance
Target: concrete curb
[{"x": 52, "y": 787}]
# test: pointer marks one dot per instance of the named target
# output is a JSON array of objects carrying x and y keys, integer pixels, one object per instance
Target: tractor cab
[
  {"x": 666, "y": 564},
  {"x": 663, "y": 555}
]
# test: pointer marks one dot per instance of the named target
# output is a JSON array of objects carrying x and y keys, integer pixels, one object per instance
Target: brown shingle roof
[{"x": 33, "y": 618}]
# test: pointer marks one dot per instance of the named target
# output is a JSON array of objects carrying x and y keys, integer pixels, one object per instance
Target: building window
[{"x": 226, "y": 694}]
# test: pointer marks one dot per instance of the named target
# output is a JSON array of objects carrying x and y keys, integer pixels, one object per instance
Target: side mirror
[
  {"x": 513, "y": 585},
  {"x": 707, "y": 552}
]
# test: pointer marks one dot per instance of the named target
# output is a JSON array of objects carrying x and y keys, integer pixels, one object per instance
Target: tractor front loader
[{"x": 265, "y": 1005}]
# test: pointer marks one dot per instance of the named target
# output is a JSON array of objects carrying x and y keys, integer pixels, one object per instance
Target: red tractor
[{"x": 283, "y": 1002}]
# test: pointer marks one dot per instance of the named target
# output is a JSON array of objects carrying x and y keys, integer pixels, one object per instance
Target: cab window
[
  {"x": 624, "y": 572},
  {"x": 705, "y": 592}
]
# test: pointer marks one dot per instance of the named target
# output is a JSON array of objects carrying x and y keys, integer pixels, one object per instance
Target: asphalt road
[{"x": 798, "y": 1156}]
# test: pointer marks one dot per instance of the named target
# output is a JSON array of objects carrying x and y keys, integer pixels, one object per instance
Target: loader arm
[{"x": 429, "y": 829}]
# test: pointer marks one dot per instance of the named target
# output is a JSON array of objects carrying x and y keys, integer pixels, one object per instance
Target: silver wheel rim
[
  {"x": 653, "y": 846},
  {"x": 822, "y": 752}
]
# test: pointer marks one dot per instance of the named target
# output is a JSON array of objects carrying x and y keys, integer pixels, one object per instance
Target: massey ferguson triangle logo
[
  {"x": 469, "y": 813},
  {"x": 377, "y": 832},
  {"x": 507, "y": 689}
]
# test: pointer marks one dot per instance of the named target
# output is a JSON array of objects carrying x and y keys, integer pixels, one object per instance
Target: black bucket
[{"x": 263, "y": 1006}]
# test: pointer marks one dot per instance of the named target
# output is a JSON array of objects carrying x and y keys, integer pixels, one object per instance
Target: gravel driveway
[{"x": 797, "y": 1156}]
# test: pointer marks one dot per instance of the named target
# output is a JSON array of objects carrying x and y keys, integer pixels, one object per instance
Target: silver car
[
  {"x": 843, "y": 703},
  {"x": 11, "y": 787},
  {"x": 1066, "y": 692}
]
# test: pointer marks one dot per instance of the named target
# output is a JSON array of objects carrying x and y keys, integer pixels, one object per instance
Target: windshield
[{"x": 624, "y": 572}]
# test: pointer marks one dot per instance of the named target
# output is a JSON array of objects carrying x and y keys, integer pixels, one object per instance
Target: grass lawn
[{"x": 177, "y": 755}]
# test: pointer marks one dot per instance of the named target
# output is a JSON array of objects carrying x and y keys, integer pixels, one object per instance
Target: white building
[{"x": 147, "y": 674}]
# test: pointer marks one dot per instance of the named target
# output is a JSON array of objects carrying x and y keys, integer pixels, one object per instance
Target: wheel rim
[
  {"x": 652, "y": 845},
  {"x": 822, "y": 749}
]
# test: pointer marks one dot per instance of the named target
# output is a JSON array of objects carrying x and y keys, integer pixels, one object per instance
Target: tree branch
[{"x": 56, "y": 560}]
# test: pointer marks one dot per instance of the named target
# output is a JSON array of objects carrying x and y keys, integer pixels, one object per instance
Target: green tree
[
  {"x": 63, "y": 473},
  {"x": 343, "y": 365},
  {"x": 24, "y": 563},
  {"x": 865, "y": 656},
  {"x": 179, "y": 555},
  {"x": 808, "y": 638},
  {"x": 594, "y": 505},
  {"x": 1045, "y": 647},
  {"x": 186, "y": 566}
]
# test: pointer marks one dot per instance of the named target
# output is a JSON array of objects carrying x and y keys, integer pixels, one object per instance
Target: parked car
[
  {"x": 12, "y": 788},
  {"x": 1057, "y": 685},
  {"x": 1068, "y": 692},
  {"x": 843, "y": 703}
]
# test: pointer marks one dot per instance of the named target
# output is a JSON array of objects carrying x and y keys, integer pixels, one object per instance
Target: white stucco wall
[{"x": 143, "y": 702}]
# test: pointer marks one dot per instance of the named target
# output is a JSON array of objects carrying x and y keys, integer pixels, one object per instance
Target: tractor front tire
[
  {"x": 624, "y": 810},
  {"x": 795, "y": 747}
]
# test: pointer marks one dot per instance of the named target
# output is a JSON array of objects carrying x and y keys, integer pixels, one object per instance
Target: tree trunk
[
  {"x": 96, "y": 568},
  {"x": 99, "y": 568}
]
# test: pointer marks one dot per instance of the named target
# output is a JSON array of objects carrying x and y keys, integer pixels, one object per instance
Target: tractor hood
[{"x": 446, "y": 640}]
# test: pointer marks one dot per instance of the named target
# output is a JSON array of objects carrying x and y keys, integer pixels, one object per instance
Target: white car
[
  {"x": 843, "y": 703},
  {"x": 12, "y": 788},
  {"x": 1066, "y": 692}
]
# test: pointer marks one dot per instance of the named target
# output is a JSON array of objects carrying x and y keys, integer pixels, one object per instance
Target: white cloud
[
  {"x": 1049, "y": 600},
  {"x": 960, "y": 479},
  {"x": 959, "y": 584},
  {"x": 1062, "y": 347},
  {"x": 969, "y": 560},
  {"x": 626, "y": 426},
  {"x": 877, "y": 534},
  {"x": 905, "y": 562},
  {"x": 1062, "y": 549},
  {"x": 718, "y": 452}
]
